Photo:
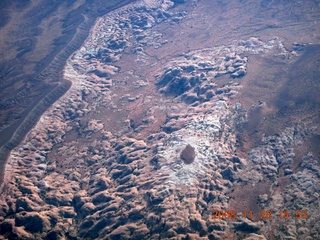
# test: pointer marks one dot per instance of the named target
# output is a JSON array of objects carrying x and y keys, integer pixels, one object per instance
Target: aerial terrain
[{"x": 160, "y": 119}]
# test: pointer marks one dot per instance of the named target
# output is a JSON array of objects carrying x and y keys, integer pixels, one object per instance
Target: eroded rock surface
[{"x": 148, "y": 142}]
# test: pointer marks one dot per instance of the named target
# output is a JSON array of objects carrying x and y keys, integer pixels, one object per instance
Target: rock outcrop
[{"x": 144, "y": 145}]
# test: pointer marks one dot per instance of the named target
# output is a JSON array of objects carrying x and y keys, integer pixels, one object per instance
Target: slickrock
[{"x": 146, "y": 146}]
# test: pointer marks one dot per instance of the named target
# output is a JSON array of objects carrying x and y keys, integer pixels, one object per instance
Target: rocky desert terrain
[
  {"x": 177, "y": 109},
  {"x": 36, "y": 39}
]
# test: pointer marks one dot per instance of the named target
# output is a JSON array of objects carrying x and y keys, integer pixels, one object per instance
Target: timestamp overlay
[{"x": 262, "y": 215}]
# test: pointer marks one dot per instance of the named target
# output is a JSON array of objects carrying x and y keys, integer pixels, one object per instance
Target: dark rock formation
[
  {"x": 247, "y": 226},
  {"x": 32, "y": 222},
  {"x": 188, "y": 154}
]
